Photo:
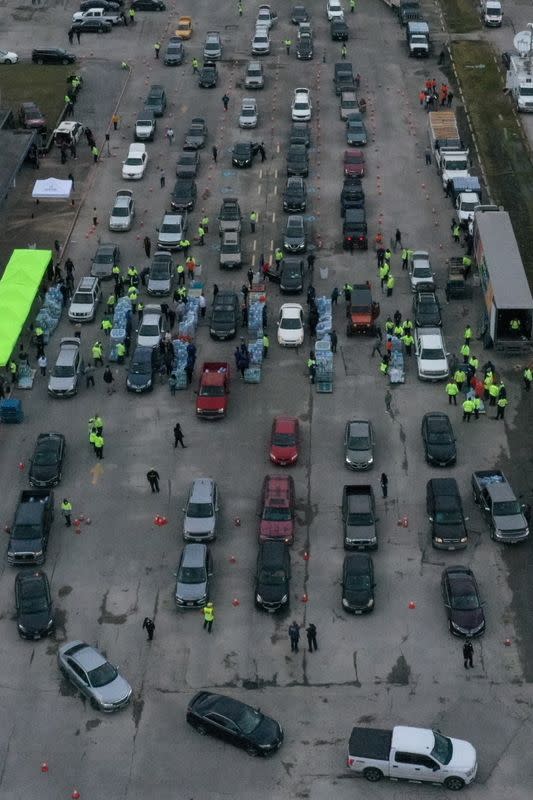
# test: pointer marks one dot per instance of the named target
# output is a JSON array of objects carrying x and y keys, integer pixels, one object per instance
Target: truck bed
[
  {"x": 370, "y": 743},
  {"x": 443, "y": 125},
  {"x": 485, "y": 476}
]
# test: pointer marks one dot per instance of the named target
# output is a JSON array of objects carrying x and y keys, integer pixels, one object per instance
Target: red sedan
[
  {"x": 354, "y": 163},
  {"x": 285, "y": 441}
]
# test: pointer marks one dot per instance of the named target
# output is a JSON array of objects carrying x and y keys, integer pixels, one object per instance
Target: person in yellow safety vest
[
  {"x": 194, "y": 64},
  {"x": 465, "y": 352},
  {"x": 13, "y": 369},
  {"x": 528, "y": 377},
  {"x": 266, "y": 345},
  {"x": 97, "y": 353},
  {"x": 494, "y": 392},
  {"x": 209, "y": 616},
  {"x": 473, "y": 362},
  {"x": 384, "y": 366},
  {"x": 452, "y": 390},
  {"x": 140, "y": 309},
  {"x": 183, "y": 292},
  {"x": 515, "y": 326},
  {"x": 407, "y": 326},
  {"x": 287, "y": 42},
  {"x": 66, "y": 510},
  {"x": 121, "y": 352},
  {"x": 131, "y": 14},
  {"x": 405, "y": 257},
  {"x": 133, "y": 296},
  {"x": 132, "y": 275},
  {"x": 383, "y": 273},
  {"x": 39, "y": 332},
  {"x": 205, "y": 223},
  {"x": 201, "y": 235},
  {"x": 99, "y": 445},
  {"x": 468, "y": 407},
  {"x": 106, "y": 326},
  {"x": 157, "y": 48},
  {"x": 387, "y": 255},
  {"x": 459, "y": 378},
  {"x": 408, "y": 343},
  {"x": 477, "y": 405},
  {"x": 180, "y": 270},
  {"x": 278, "y": 257},
  {"x": 92, "y": 437},
  {"x": 500, "y": 411},
  {"x": 253, "y": 220},
  {"x": 467, "y": 265},
  {"x": 185, "y": 244},
  {"x": 111, "y": 302},
  {"x": 389, "y": 326},
  {"x": 468, "y": 334},
  {"x": 98, "y": 423},
  {"x": 390, "y": 284},
  {"x": 115, "y": 272},
  {"x": 398, "y": 331}
]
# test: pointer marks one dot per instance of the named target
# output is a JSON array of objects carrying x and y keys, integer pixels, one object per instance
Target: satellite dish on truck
[{"x": 522, "y": 42}]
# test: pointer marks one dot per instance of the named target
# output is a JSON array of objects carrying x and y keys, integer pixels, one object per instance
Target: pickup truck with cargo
[
  {"x": 363, "y": 311},
  {"x": 451, "y": 156},
  {"x": 457, "y": 286},
  {"x": 28, "y": 537},
  {"x": 497, "y": 500},
  {"x": 467, "y": 185},
  {"x": 412, "y": 754},
  {"x": 213, "y": 390},
  {"x": 418, "y": 41},
  {"x": 359, "y": 518}
]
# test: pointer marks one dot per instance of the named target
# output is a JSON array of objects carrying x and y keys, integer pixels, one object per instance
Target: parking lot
[{"x": 396, "y": 665}]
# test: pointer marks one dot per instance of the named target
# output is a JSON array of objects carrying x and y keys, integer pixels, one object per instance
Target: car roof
[
  {"x": 273, "y": 551},
  {"x": 430, "y": 338},
  {"x": 291, "y": 309},
  {"x": 357, "y": 563},
  {"x": 359, "y": 426},
  {"x": 88, "y": 658},
  {"x": 194, "y": 554},
  {"x": 202, "y": 490}
]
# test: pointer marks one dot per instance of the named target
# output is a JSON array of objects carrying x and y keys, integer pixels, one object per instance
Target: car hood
[
  {"x": 191, "y": 591},
  {"x": 441, "y": 452},
  {"x": 140, "y": 380},
  {"x": 272, "y": 593},
  {"x": 114, "y": 692},
  {"x": 467, "y": 620},
  {"x": 60, "y": 384},
  {"x": 267, "y": 732},
  {"x": 360, "y": 456},
  {"x": 358, "y": 598},
  {"x": 449, "y": 530},
  {"x": 511, "y": 522},
  {"x": 291, "y": 335},
  {"x": 44, "y": 474},
  {"x": 361, "y": 531},
  {"x": 165, "y": 238},
  {"x": 36, "y": 622},
  {"x": 194, "y": 525},
  {"x": 284, "y": 453},
  {"x": 24, "y": 545},
  {"x": 464, "y": 756},
  {"x": 158, "y": 285}
]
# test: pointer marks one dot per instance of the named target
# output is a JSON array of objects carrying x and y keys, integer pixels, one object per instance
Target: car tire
[
  {"x": 372, "y": 774},
  {"x": 201, "y": 729},
  {"x": 454, "y": 783},
  {"x": 252, "y": 750}
]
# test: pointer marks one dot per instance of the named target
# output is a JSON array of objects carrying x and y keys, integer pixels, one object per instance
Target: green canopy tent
[{"x": 19, "y": 286}]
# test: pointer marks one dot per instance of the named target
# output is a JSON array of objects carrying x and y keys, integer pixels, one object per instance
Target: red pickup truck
[{"x": 212, "y": 396}]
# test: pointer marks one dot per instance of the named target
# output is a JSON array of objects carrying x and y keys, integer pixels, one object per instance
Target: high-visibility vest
[
  {"x": 452, "y": 389},
  {"x": 494, "y": 390},
  {"x": 66, "y": 506},
  {"x": 468, "y": 406},
  {"x": 209, "y": 613}
]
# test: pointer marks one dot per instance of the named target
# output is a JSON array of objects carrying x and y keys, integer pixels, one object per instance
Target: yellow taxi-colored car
[{"x": 184, "y": 29}]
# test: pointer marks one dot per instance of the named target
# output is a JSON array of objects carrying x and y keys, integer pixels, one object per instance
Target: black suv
[
  {"x": 354, "y": 229},
  {"x": 52, "y": 55},
  {"x": 445, "y": 512},
  {"x": 300, "y": 134},
  {"x": 142, "y": 369},
  {"x": 291, "y": 276},
  {"x": 272, "y": 576},
  {"x": 352, "y": 195},
  {"x": 339, "y": 30},
  {"x": 156, "y": 100},
  {"x": 358, "y": 583},
  {"x": 426, "y": 309},
  {"x": 304, "y": 48},
  {"x": 243, "y": 154},
  {"x": 295, "y": 194},
  {"x": 184, "y": 194},
  {"x": 439, "y": 439},
  {"x": 34, "y": 605},
  {"x": 208, "y": 77},
  {"x": 297, "y": 160},
  {"x": 224, "y": 316}
]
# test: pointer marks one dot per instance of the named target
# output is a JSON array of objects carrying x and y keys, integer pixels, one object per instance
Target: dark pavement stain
[
  {"x": 320, "y": 742},
  {"x": 64, "y": 591},
  {"x": 60, "y": 619},
  {"x": 400, "y": 673},
  {"x": 388, "y": 403},
  {"x": 92, "y": 723},
  {"x": 229, "y": 660},
  {"x": 366, "y": 719},
  {"x": 77, "y": 732},
  {"x": 66, "y": 688},
  {"x": 260, "y": 683},
  {"x": 137, "y": 710},
  {"x": 287, "y": 766}
]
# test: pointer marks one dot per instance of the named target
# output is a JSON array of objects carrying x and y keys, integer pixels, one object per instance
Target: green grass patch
[
  {"x": 45, "y": 85},
  {"x": 461, "y": 16},
  {"x": 503, "y": 147}
]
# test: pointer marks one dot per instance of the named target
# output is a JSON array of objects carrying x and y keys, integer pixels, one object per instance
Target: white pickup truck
[
  {"x": 412, "y": 754},
  {"x": 114, "y": 17}
]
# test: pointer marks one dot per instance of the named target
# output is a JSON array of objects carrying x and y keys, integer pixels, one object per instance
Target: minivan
[
  {"x": 272, "y": 576},
  {"x": 65, "y": 374},
  {"x": 276, "y": 518},
  {"x": 85, "y": 300},
  {"x": 201, "y": 511},
  {"x": 445, "y": 512}
]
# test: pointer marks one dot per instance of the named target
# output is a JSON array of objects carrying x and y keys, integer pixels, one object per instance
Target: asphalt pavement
[{"x": 396, "y": 665}]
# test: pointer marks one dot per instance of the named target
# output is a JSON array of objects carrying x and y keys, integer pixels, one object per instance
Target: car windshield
[
  {"x": 355, "y": 125},
  {"x": 507, "y": 508},
  {"x": 421, "y": 271},
  {"x": 464, "y": 599},
  {"x": 170, "y": 227},
  {"x": 525, "y": 91},
  {"x": 254, "y": 72},
  {"x": 284, "y": 440},
  {"x": 275, "y": 577},
  {"x": 140, "y": 367},
  {"x": 82, "y": 299},
  {"x": 223, "y": 316},
  {"x": 291, "y": 273},
  {"x": 248, "y": 112},
  {"x": 353, "y": 159},
  {"x": 448, "y": 518},
  {"x": 301, "y": 105},
  {"x": 102, "y": 675},
  {"x": 456, "y": 165},
  {"x": 183, "y": 26},
  {"x": 200, "y": 510},
  {"x": 121, "y": 211},
  {"x": 360, "y": 519},
  {"x": 212, "y": 391},
  {"x": 248, "y": 719},
  {"x": 276, "y": 514},
  {"x": 173, "y": 49},
  {"x": 358, "y": 582},
  {"x": 230, "y": 248},
  {"x": 103, "y": 258},
  {"x": 469, "y": 206},
  {"x": 34, "y": 599},
  {"x": 63, "y": 371},
  {"x": 159, "y": 272},
  {"x": 349, "y": 103},
  {"x": 149, "y": 330},
  {"x": 134, "y": 161},
  {"x": 432, "y": 354},
  {"x": 359, "y": 443},
  {"x": 192, "y": 575},
  {"x": 290, "y": 324},
  {"x": 45, "y": 457},
  {"x": 442, "y": 749}
]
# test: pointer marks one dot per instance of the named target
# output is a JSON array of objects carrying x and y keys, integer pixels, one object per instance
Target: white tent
[{"x": 52, "y": 189}]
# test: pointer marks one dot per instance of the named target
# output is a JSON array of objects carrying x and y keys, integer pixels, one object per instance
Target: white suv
[
  {"x": 431, "y": 356},
  {"x": 301, "y": 105},
  {"x": 248, "y": 115},
  {"x": 86, "y": 298},
  {"x": 261, "y": 41},
  {"x": 334, "y": 10}
]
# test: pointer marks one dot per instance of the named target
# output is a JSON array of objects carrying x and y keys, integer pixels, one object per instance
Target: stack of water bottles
[
  {"x": 180, "y": 362},
  {"x": 255, "y": 351},
  {"x": 121, "y": 326},
  {"x": 325, "y": 319},
  {"x": 189, "y": 323},
  {"x": 50, "y": 314},
  {"x": 396, "y": 364},
  {"x": 255, "y": 319}
]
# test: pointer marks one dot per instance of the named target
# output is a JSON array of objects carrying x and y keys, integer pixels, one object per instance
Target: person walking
[
  {"x": 42, "y": 361},
  {"x": 311, "y": 637},
  {"x": 157, "y": 48},
  {"x": 311, "y": 366},
  {"x": 294, "y": 636},
  {"x": 225, "y": 101},
  {"x": 468, "y": 407},
  {"x": 89, "y": 375},
  {"x": 194, "y": 64},
  {"x": 333, "y": 339},
  {"x": 397, "y": 239},
  {"x": 178, "y": 435},
  {"x": 147, "y": 246},
  {"x": 115, "y": 119},
  {"x": 162, "y": 180},
  {"x": 209, "y": 616},
  {"x": 500, "y": 409},
  {"x": 262, "y": 152},
  {"x": 465, "y": 352},
  {"x": 452, "y": 391},
  {"x": 250, "y": 276},
  {"x": 456, "y": 233},
  {"x": 214, "y": 151},
  {"x": 202, "y": 302},
  {"x": 384, "y": 483},
  {"x": 97, "y": 352},
  {"x": 149, "y": 627},
  {"x": 78, "y": 35},
  {"x": 66, "y": 510},
  {"x": 108, "y": 379},
  {"x": 95, "y": 152},
  {"x": 99, "y": 445},
  {"x": 287, "y": 42},
  {"x": 528, "y": 377},
  {"x": 153, "y": 479},
  {"x": 468, "y": 654},
  {"x": 266, "y": 345},
  {"x": 169, "y": 133},
  {"x": 131, "y": 14},
  {"x": 253, "y": 220},
  {"x": 343, "y": 52}
]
